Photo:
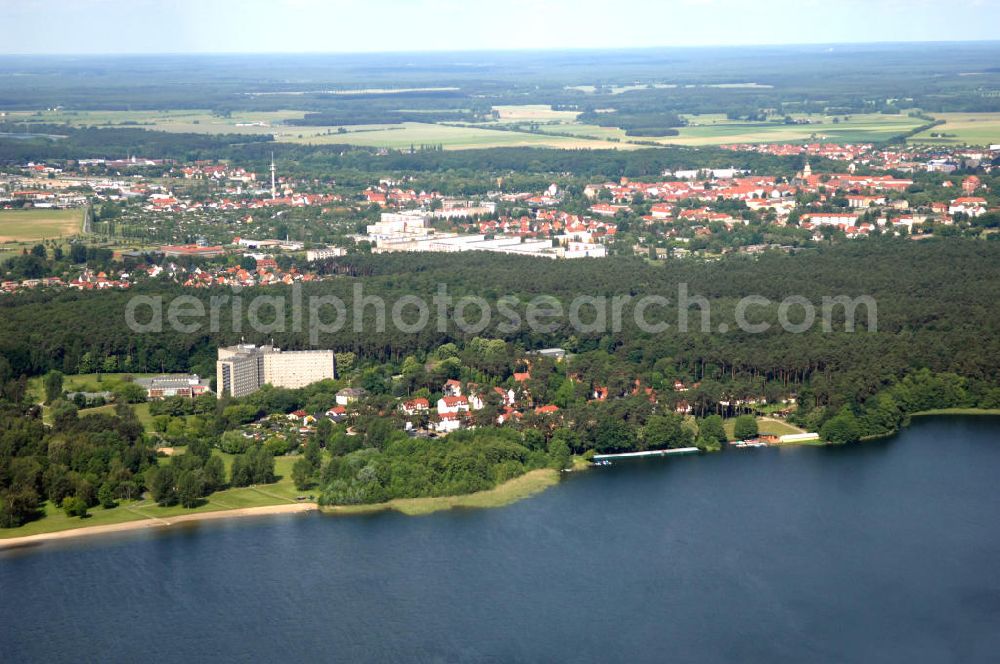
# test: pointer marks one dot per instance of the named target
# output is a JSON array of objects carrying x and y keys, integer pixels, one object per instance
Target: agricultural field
[
  {"x": 717, "y": 130},
  {"x": 533, "y": 113},
  {"x": 557, "y": 129},
  {"x": 704, "y": 130},
  {"x": 193, "y": 122},
  {"x": 452, "y": 137},
  {"x": 962, "y": 129},
  {"x": 39, "y": 224},
  {"x": 396, "y": 136}
]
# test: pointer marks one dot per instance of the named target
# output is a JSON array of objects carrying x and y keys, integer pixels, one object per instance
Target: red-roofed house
[
  {"x": 452, "y": 405},
  {"x": 414, "y": 406}
]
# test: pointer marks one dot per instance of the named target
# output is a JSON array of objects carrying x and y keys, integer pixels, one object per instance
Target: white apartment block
[
  {"x": 245, "y": 368},
  {"x": 323, "y": 254}
]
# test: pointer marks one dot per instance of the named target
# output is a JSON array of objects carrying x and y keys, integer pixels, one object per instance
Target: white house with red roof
[
  {"x": 414, "y": 406},
  {"x": 451, "y": 405},
  {"x": 970, "y": 206}
]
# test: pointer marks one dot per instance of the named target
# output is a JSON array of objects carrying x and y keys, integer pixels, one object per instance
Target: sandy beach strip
[{"x": 156, "y": 522}]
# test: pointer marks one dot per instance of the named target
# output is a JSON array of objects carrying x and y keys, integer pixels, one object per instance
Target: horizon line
[{"x": 570, "y": 49}]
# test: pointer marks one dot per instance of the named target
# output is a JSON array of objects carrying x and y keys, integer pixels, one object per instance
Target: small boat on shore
[{"x": 754, "y": 442}]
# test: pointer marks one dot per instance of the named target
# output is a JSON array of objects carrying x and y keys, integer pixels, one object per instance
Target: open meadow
[
  {"x": 962, "y": 129},
  {"x": 39, "y": 224}
]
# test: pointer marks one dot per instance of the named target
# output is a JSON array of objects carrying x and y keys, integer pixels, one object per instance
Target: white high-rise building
[{"x": 245, "y": 368}]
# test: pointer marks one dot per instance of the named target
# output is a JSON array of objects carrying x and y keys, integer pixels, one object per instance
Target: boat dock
[{"x": 649, "y": 453}]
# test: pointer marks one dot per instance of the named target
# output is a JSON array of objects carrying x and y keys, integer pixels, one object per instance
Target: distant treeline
[
  {"x": 612, "y": 164},
  {"x": 649, "y": 123},
  {"x": 113, "y": 143}
]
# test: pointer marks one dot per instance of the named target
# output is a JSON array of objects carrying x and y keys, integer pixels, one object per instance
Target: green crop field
[
  {"x": 716, "y": 130},
  {"x": 28, "y": 225},
  {"x": 704, "y": 130},
  {"x": 963, "y": 129}
]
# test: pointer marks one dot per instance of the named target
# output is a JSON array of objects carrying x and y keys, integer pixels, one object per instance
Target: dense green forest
[
  {"x": 935, "y": 301},
  {"x": 512, "y": 163}
]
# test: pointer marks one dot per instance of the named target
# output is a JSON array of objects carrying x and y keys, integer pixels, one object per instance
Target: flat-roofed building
[
  {"x": 164, "y": 387},
  {"x": 245, "y": 368}
]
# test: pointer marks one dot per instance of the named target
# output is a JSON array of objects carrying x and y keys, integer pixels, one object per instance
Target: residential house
[
  {"x": 414, "y": 406},
  {"x": 450, "y": 405},
  {"x": 349, "y": 395}
]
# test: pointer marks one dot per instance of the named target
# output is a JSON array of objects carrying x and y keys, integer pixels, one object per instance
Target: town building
[
  {"x": 313, "y": 255},
  {"x": 245, "y": 368}
]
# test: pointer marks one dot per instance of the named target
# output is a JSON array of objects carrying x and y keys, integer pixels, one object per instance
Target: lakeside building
[{"x": 245, "y": 368}]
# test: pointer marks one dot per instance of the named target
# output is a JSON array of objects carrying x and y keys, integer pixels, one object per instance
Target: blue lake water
[{"x": 881, "y": 552}]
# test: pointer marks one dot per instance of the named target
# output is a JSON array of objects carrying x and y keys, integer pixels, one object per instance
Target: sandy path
[{"x": 155, "y": 522}]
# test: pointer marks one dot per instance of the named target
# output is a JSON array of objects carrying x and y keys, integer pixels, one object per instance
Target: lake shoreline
[
  {"x": 511, "y": 491},
  {"x": 154, "y": 523}
]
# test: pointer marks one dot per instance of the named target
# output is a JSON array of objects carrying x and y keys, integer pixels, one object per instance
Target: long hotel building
[{"x": 245, "y": 368}]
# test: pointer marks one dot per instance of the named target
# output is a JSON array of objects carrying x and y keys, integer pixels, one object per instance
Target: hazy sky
[{"x": 180, "y": 26}]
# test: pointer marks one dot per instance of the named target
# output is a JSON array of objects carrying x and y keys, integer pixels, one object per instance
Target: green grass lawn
[
  {"x": 55, "y": 520},
  {"x": 39, "y": 224},
  {"x": 764, "y": 426},
  {"x": 91, "y": 382}
]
